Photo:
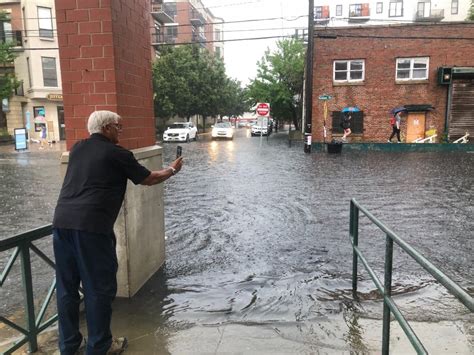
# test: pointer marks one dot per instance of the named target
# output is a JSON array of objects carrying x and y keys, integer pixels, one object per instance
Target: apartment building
[
  {"x": 191, "y": 22},
  {"x": 38, "y": 100},
  {"x": 427, "y": 68},
  {"x": 369, "y": 12}
]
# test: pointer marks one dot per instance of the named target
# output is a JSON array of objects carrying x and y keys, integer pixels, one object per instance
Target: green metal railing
[
  {"x": 22, "y": 246},
  {"x": 386, "y": 288}
]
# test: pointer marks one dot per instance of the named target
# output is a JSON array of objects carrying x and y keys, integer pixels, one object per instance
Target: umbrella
[
  {"x": 398, "y": 109},
  {"x": 350, "y": 109}
]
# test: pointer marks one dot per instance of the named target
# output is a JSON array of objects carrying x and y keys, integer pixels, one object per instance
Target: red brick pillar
[{"x": 104, "y": 48}]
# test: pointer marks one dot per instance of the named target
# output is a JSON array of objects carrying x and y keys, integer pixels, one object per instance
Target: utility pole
[{"x": 309, "y": 80}]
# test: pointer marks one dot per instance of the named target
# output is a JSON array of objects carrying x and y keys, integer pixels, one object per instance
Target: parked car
[
  {"x": 222, "y": 130},
  {"x": 180, "y": 132},
  {"x": 262, "y": 127}
]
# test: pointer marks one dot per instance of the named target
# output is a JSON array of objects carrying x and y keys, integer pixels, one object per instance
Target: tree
[
  {"x": 8, "y": 81},
  {"x": 279, "y": 81},
  {"x": 189, "y": 81},
  {"x": 471, "y": 12}
]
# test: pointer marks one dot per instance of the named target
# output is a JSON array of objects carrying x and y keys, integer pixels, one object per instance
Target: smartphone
[{"x": 179, "y": 151}]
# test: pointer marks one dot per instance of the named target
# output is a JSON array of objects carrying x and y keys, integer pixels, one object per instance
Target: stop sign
[{"x": 263, "y": 109}]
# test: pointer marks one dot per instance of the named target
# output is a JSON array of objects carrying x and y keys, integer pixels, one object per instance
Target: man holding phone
[{"x": 83, "y": 237}]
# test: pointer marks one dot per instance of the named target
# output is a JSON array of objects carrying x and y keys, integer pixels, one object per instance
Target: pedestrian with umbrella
[
  {"x": 346, "y": 120},
  {"x": 395, "y": 122}
]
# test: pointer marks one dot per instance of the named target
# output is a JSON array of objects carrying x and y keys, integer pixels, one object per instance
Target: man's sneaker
[
  {"x": 118, "y": 345},
  {"x": 389, "y": 141}
]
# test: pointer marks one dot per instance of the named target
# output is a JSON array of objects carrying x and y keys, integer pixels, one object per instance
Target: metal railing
[
  {"x": 22, "y": 246},
  {"x": 463, "y": 139},
  {"x": 386, "y": 289},
  {"x": 430, "y": 139}
]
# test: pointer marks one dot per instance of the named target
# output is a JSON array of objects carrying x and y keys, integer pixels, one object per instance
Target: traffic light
[{"x": 445, "y": 75}]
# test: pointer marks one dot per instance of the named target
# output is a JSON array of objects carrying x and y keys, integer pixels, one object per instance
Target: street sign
[
  {"x": 263, "y": 109},
  {"x": 325, "y": 97}
]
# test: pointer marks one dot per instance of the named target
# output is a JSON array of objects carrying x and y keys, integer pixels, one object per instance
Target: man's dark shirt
[{"x": 95, "y": 184}]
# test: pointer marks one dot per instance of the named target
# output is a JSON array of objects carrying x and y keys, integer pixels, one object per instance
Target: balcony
[
  {"x": 161, "y": 13},
  {"x": 199, "y": 38},
  {"x": 160, "y": 38},
  {"x": 359, "y": 13},
  {"x": 196, "y": 18},
  {"x": 434, "y": 16}
]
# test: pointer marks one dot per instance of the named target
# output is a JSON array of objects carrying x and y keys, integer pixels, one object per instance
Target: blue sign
[{"x": 20, "y": 139}]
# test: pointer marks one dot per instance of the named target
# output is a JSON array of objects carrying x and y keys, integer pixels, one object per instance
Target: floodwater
[{"x": 257, "y": 234}]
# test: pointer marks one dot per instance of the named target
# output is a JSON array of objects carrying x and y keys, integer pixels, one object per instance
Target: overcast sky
[{"x": 241, "y": 56}]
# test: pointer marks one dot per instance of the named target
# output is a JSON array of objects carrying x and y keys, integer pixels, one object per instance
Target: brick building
[{"x": 377, "y": 68}]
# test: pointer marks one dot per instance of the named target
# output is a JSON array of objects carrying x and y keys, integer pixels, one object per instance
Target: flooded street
[{"x": 257, "y": 235}]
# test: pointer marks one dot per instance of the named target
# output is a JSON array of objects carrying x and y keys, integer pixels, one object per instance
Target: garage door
[{"x": 461, "y": 118}]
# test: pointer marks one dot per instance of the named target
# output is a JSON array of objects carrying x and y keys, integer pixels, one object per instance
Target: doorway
[
  {"x": 415, "y": 126},
  {"x": 62, "y": 126}
]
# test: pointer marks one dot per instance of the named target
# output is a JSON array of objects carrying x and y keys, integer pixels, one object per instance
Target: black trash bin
[{"x": 334, "y": 147}]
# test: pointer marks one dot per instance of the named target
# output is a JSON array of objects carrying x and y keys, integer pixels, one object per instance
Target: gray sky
[{"x": 241, "y": 56}]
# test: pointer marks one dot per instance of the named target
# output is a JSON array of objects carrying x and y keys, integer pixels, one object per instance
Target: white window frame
[
  {"x": 53, "y": 77},
  {"x": 45, "y": 22},
  {"x": 338, "y": 10},
  {"x": 454, "y": 7},
  {"x": 395, "y": 8},
  {"x": 379, "y": 7},
  {"x": 348, "y": 71},
  {"x": 412, "y": 68}
]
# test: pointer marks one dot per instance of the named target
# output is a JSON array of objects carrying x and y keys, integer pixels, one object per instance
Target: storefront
[{"x": 47, "y": 112}]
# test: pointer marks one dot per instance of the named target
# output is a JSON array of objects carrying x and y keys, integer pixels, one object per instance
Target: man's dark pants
[{"x": 89, "y": 258}]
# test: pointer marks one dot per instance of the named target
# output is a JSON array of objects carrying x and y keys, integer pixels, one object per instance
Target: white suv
[{"x": 180, "y": 132}]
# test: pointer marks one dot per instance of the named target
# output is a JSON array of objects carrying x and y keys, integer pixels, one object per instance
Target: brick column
[{"x": 104, "y": 49}]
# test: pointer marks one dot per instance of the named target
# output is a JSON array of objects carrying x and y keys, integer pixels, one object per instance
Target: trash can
[{"x": 334, "y": 147}]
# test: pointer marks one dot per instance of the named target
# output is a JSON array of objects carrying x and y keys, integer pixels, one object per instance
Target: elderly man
[{"x": 83, "y": 237}]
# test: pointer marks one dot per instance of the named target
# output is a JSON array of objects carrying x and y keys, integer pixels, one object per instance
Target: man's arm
[{"x": 164, "y": 174}]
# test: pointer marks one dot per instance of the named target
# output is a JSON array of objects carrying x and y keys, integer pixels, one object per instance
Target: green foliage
[
  {"x": 8, "y": 81},
  {"x": 279, "y": 81},
  {"x": 188, "y": 81},
  {"x": 470, "y": 16}
]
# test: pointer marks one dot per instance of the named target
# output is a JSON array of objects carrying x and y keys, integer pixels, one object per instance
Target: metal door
[{"x": 62, "y": 126}]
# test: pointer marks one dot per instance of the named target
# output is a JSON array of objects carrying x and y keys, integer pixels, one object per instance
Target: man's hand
[{"x": 164, "y": 174}]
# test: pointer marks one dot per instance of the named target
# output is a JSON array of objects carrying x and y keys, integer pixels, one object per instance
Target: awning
[{"x": 419, "y": 108}]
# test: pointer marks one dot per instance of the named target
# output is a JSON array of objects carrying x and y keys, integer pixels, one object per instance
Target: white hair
[{"x": 99, "y": 119}]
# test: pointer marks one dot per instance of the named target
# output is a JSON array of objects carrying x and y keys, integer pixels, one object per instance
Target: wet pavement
[{"x": 258, "y": 254}]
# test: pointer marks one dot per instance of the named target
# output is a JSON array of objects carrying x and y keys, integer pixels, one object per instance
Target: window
[
  {"x": 45, "y": 22},
  {"x": 338, "y": 10},
  {"x": 396, "y": 8},
  {"x": 355, "y": 10},
  {"x": 172, "y": 31},
  {"x": 50, "y": 77},
  {"x": 6, "y": 34},
  {"x": 318, "y": 12},
  {"x": 454, "y": 7},
  {"x": 357, "y": 122},
  {"x": 217, "y": 35},
  {"x": 348, "y": 70},
  {"x": 412, "y": 68},
  {"x": 379, "y": 8}
]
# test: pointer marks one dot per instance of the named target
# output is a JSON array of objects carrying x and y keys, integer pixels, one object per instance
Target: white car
[
  {"x": 223, "y": 130},
  {"x": 180, "y": 132}
]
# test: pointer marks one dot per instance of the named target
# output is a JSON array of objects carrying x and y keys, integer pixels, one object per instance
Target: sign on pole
[
  {"x": 20, "y": 139},
  {"x": 263, "y": 109},
  {"x": 325, "y": 97}
]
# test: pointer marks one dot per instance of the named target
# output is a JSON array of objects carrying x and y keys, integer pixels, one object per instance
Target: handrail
[
  {"x": 429, "y": 139},
  {"x": 463, "y": 139},
  {"x": 386, "y": 288},
  {"x": 22, "y": 244}
]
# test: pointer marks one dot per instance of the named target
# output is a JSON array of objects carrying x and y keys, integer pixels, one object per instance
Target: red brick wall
[
  {"x": 104, "y": 49},
  {"x": 379, "y": 92}
]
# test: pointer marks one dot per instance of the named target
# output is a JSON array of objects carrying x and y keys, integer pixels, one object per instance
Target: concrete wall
[
  {"x": 139, "y": 228},
  {"x": 380, "y": 92}
]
